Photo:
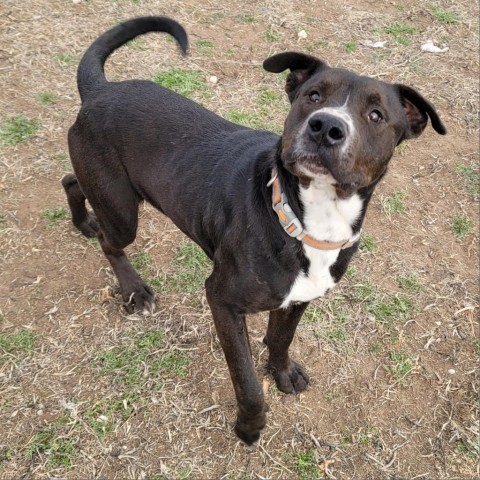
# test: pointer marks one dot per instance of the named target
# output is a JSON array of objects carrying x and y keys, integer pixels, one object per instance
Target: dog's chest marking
[{"x": 328, "y": 218}]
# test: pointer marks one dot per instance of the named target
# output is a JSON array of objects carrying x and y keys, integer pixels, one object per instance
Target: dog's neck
[{"x": 315, "y": 200}]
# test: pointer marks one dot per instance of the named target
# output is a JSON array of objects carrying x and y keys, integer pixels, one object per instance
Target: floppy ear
[
  {"x": 302, "y": 67},
  {"x": 417, "y": 110}
]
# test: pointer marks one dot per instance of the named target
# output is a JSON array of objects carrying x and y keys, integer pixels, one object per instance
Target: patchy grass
[
  {"x": 470, "y": 172},
  {"x": 461, "y": 226},
  {"x": 46, "y": 98},
  {"x": 351, "y": 46},
  {"x": 401, "y": 364},
  {"x": 305, "y": 465},
  {"x": 18, "y": 129},
  {"x": 138, "y": 359},
  {"x": 63, "y": 160},
  {"x": 53, "y": 215},
  {"x": 189, "y": 83},
  {"x": 205, "y": 47},
  {"x": 271, "y": 36},
  {"x": 141, "y": 262},
  {"x": 386, "y": 308},
  {"x": 54, "y": 445},
  {"x": 395, "y": 205},
  {"x": 368, "y": 243},
  {"x": 3, "y": 219},
  {"x": 17, "y": 345},
  {"x": 243, "y": 117},
  {"x": 401, "y": 32},
  {"x": 445, "y": 16},
  {"x": 245, "y": 18},
  {"x": 410, "y": 283},
  {"x": 66, "y": 59}
]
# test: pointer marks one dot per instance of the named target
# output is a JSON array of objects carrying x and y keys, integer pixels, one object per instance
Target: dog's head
[{"x": 345, "y": 126}]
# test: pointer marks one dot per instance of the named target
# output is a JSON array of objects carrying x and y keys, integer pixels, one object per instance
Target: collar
[{"x": 292, "y": 225}]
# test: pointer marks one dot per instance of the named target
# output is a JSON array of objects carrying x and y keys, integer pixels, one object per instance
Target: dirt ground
[{"x": 87, "y": 391}]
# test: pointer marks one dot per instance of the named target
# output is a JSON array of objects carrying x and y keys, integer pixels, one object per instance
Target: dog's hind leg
[
  {"x": 115, "y": 205},
  {"x": 289, "y": 376},
  {"x": 81, "y": 218}
]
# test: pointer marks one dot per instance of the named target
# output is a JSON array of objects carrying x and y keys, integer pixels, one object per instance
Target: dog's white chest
[{"x": 326, "y": 218}]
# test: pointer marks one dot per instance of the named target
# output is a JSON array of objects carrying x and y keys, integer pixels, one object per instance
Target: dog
[{"x": 279, "y": 216}]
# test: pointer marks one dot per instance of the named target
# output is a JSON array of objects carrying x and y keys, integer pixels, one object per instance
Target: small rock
[
  {"x": 213, "y": 79},
  {"x": 451, "y": 371},
  {"x": 39, "y": 413},
  {"x": 430, "y": 47},
  {"x": 302, "y": 34}
]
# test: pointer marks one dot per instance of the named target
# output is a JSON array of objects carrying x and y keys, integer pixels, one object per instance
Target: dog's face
[{"x": 342, "y": 126}]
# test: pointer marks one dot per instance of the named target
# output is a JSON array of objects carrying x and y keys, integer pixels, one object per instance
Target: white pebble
[
  {"x": 451, "y": 371},
  {"x": 213, "y": 79},
  {"x": 302, "y": 34}
]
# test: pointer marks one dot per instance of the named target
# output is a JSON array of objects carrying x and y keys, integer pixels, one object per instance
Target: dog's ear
[
  {"x": 301, "y": 66},
  {"x": 418, "y": 110}
]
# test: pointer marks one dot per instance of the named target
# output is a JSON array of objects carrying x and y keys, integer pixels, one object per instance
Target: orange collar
[{"x": 292, "y": 225}]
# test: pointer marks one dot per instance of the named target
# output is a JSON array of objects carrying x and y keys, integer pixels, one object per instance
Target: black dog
[{"x": 279, "y": 216}]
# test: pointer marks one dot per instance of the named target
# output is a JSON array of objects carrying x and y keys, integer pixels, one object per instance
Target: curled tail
[{"x": 90, "y": 73}]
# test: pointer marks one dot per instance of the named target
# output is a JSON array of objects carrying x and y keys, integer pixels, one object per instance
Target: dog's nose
[{"x": 327, "y": 130}]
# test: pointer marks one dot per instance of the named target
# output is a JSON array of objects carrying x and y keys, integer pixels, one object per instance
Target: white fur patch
[{"x": 326, "y": 218}]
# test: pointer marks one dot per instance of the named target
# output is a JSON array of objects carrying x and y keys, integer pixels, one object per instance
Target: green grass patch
[
  {"x": 55, "y": 442},
  {"x": 461, "y": 226},
  {"x": 141, "y": 262},
  {"x": 139, "y": 359},
  {"x": 189, "y": 83},
  {"x": 305, "y": 465},
  {"x": 401, "y": 32},
  {"x": 471, "y": 178},
  {"x": 136, "y": 43},
  {"x": 245, "y": 18},
  {"x": 366, "y": 436},
  {"x": 66, "y": 59},
  {"x": 445, "y": 16},
  {"x": 331, "y": 317},
  {"x": 476, "y": 346},
  {"x": 271, "y": 36},
  {"x": 63, "y": 161},
  {"x": 386, "y": 308},
  {"x": 3, "y": 219},
  {"x": 191, "y": 267},
  {"x": 205, "y": 47},
  {"x": 18, "y": 129},
  {"x": 18, "y": 345},
  {"x": 395, "y": 205},
  {"x": 410, "y": 283},
  {"x": 368, "y": 243},
  {"x": 46, "y": 98},
  {"x": 243, "y": 117},
  {"x": 401, "y": 364},
  {"x": 53, "y": 215},
  {"x": 317, "y": 45},
  {"x": 351, "y": 46}
]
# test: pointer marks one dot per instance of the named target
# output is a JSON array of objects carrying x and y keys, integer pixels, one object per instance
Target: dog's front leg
[
  {"x": 289, "y": 376},
  {"x": 232, "y": 333}
]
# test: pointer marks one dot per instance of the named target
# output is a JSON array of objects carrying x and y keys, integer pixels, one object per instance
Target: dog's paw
[
  {"x": 248, "y": 429},
  {"x": 89, "y": 227},
  {"x": 140, "y": 300},
  {"x": 293, "y": 379}
]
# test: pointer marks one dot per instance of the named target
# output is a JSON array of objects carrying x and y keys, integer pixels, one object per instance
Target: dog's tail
[{"x": 90, "y": 73}]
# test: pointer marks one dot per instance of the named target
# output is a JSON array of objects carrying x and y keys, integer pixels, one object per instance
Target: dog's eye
[
  {"x": 314, "y": 97},
  {"x": 375, "y": 116}
]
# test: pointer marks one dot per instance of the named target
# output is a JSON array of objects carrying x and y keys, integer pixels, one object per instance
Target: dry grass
[{"x": 88, "y": 392}]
